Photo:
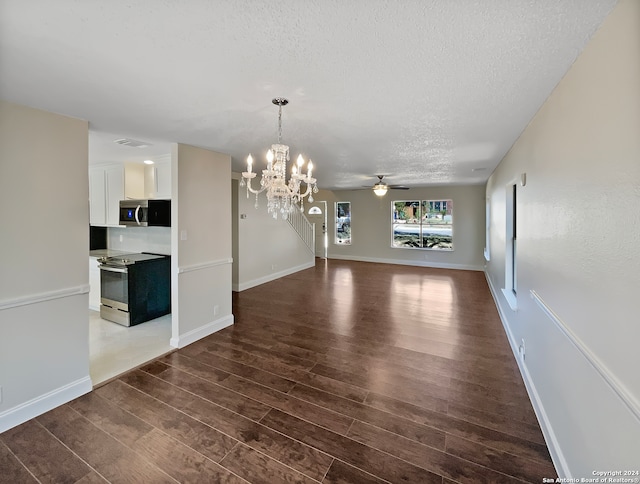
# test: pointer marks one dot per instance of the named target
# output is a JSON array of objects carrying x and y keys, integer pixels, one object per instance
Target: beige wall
[
  {"x": 44, "y": 214},
  {"x": 200, "y": 243},
  {"x": 579, "y": 252},
  {"x": 266, "y": 248},
  {"x": 371, "y": 227}
]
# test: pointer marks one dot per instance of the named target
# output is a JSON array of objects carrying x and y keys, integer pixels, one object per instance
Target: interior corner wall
[
  {"x": 578, "y": 254},
  {"x": 234, "y": 233},
  {"x": 371, "y": 227},
  {"x": 44, "y": 278},
  {"x": 267, "y": 248},
  {"x": 201, "y": 254}
]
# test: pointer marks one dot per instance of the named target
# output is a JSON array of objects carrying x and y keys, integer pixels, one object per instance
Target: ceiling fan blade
[{"x": 397, "y": 187}]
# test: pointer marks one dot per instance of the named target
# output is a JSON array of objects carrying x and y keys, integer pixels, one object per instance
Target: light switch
[
  {"x": 243, "y": 216},
  {"x": 183, "y": 235}
]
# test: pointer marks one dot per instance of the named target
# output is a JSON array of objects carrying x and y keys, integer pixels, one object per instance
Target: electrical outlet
[
  {"x": 521, "y": 349},
  {"x": 0, "y": 394},
  {"x": 216, "y": 310},
  {"x": 121, "y": 237},
  {"x": 273, "y": 267}
]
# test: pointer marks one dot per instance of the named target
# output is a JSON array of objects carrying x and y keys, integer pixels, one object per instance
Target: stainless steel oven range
[{"x": 135, "y": 287}]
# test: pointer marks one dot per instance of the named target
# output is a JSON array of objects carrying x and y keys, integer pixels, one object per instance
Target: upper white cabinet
[
  {"x": 106, "y": 189},
  {"x": 111, "y": 183},
  {"x": 157, "y": 180},
  {"x": 115, "y": 192},
  {"x": 163, "y": 180},
  {"x": 134, "y": 185}
]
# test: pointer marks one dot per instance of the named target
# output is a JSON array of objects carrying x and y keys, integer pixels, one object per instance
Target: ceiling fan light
[{"x": 380, "y": 189}]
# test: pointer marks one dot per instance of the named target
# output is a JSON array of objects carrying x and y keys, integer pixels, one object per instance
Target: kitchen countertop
[{"x": 107, "y": 252}]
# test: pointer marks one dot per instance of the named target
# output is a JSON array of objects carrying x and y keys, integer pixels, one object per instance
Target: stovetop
[{"x": 128, "y": 259}]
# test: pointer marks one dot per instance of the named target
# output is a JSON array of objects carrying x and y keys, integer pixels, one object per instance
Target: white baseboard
[
  {"x": 37, "y": 406},
  {"x": 201, "y": 332},
  {"x": 272, "y": 277},
  {"x": 559, "y": 461},
  {"x": 417, "y": 263}
]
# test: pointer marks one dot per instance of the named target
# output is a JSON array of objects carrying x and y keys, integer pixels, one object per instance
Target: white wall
[
  {"x": 371, "y": 227},
  {"x": 579, "y": 251},
  {"x": 267, "y": 248},
  {"x": 201, "y": 243},
  {"x": 44, "y": 214}
]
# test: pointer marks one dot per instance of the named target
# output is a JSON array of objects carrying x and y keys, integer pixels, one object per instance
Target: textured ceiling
[{"x": 424, "y": 91}]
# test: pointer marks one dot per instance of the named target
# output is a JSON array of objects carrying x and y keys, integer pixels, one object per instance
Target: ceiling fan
[{"x": 380, "y": 188}]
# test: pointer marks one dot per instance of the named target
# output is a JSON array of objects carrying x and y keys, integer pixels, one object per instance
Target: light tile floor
[{"x": 114, "y": 349}]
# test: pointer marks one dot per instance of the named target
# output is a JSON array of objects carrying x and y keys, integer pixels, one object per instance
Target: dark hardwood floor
[{"x": 348, "y": 372}]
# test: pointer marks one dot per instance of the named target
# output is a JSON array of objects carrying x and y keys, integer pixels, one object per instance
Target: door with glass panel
[{"x": 317, "y": 215}]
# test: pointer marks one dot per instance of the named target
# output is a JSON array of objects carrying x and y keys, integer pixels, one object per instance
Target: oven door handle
[
  {"x": 114, "y": 269},
  {"x": 137, "y": 212}
]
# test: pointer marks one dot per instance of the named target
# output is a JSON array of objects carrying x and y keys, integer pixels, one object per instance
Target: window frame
[
  {"x": 510, "y": 289},
  {"x": 487, "y": 230},
  {"x": 337, "y": 241},
  {"x": 421, "y": 204}
]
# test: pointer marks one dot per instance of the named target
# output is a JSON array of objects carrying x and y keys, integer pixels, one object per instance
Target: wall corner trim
[
  {"x": 196, "y": 334},
  {"x": 37, "y": 406}
]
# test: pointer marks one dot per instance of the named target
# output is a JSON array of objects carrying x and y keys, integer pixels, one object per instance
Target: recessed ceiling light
[
  {"x": 478, "y": 169},
  {"x": 148, "y": 162}
]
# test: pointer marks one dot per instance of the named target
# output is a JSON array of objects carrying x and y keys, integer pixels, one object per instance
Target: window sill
[{"x": 511, "y": 298}]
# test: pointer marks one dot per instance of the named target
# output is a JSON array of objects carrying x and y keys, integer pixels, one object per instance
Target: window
[
  {"x": 510, "y": 277},
  {"x": 487, "y": 230},
  {"x": 343, "y": 223},
  {"x": 422, "y": 224}
]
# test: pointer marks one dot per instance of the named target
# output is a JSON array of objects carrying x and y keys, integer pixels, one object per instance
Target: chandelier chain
[{"x": 279, "y": 123}]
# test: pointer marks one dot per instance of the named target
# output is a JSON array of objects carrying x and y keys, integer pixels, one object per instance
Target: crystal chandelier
[{"x": 282, "y": 196}]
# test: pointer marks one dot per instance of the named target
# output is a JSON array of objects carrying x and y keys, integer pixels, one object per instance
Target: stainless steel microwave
[{"x": 145, "y": 213}]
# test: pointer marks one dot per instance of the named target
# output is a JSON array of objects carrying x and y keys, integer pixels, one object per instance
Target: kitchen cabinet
[
  {"x": 157, "y": 180},
  {"x": 110, "y": 184},
  {"x": 163, "y": 180},
  {"x": 134, "y": 187},
  {"x": 94, "y": 284},
  {"x": 115, "y": 193},
  {"x": 106, "y": 189}
]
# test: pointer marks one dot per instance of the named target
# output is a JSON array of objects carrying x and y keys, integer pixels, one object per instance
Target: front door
[{"x": 317, "y": 214}]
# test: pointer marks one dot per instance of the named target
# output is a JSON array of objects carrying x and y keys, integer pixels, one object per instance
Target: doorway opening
[{"x": 317, "y": 215}]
